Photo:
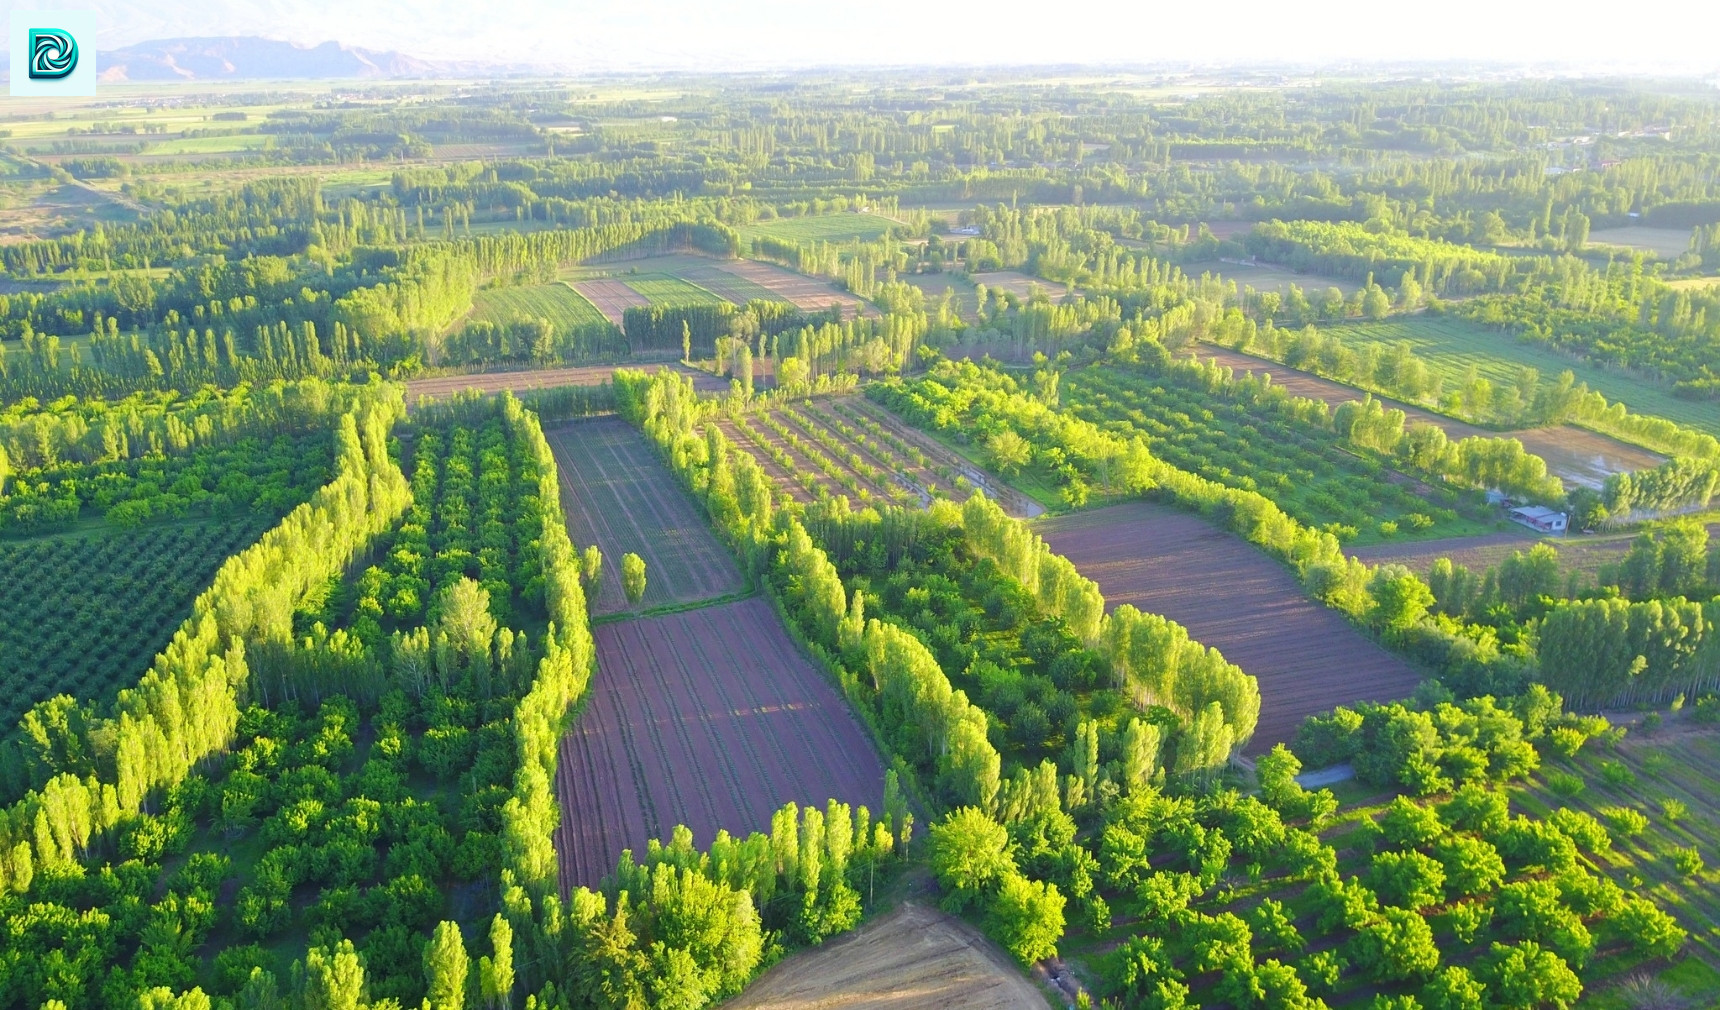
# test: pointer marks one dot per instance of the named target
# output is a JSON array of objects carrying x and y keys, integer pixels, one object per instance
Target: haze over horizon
[{"x": 723, "y": 35}]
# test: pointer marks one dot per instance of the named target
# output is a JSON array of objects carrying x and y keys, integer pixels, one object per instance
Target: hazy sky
[{"x": 1671, "y": 35}]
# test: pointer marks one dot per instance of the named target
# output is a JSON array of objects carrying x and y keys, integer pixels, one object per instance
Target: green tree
[
  {"x": 496, "y": 973},
  {"x": 334, "y": 979},
  {"x": 1009, "y": 451},
  {"x": 633, "y": 576},
  {"x": 445, "y": 968},
  {"x": 1027, "y": 918},
  {"x": 1527, "y": 977},
  {"x": 970, "y": 853},
  {"x": 591, "y": 569}
]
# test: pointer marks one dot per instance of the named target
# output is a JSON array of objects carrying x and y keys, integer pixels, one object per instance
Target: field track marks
[
  {"x": 1231, "y": 596},
  {"x": 913, "y": 957},
  {"x": 709, "y": 718},
  {"x": 611, "y": 297},
  {"x": 616, "y": 493}
]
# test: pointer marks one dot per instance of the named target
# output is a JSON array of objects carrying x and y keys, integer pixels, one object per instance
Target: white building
[{"x": 1539, "y": 517}]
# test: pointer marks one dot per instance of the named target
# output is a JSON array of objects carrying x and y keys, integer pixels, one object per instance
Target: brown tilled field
[
  {"x": 1236, "y": 599},
  {"x": 803, "y": 292},
  {"x": 611, "y": 297},
  {"x": 1572, "y": 454},
  {"x": 620, "y": 497},
  {"x": 710, "y": 718},
  {"x": 913, "y": 957}
]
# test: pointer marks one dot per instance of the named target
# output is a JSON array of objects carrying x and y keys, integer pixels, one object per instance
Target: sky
[{"x": 1669, "y": 36}]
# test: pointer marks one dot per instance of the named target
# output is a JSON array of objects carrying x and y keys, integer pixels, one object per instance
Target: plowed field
[
  {"x": 617, "y": 495},
  {"x": 1236, "y": 599},
  {"x": 709, "y": 718},
  {"x": 612, "y": 298}
]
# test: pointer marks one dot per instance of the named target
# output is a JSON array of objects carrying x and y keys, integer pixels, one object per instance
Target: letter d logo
[{"x": 53, "y": 54}]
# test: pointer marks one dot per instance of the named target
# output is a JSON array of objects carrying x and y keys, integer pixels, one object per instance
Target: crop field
[
  {"x": 1580, "y": 553},
  {"x": 1667, "y": 243},
  {"x": 557, "y": 302},
  {"x": 710, "y": 718},
  {"x": 665, "y": 289},
  {"x": 803, "y": 292},
  {"x": 1269, "y": 277},
  {"x": 1301, "y": 466},
  {"x": 850, "y": 446},
  {"x": 1020, "y": 285},
  {"x": 611, "y": 297},
  {"x": 711, "y": 276},
  {"x": 934, "y": 286},
  {"x": 1575, "y": 455},
  {"x": 914, "y": 956},
  {"x": 546, "y": 378},
  {"x": 820, "y": 228},
  {"x": 84, "y": 613},
  {"x": 1236, "y": 599},
  {"x": 1450, "y": 346},
  {"x": 617, "y": 495}
]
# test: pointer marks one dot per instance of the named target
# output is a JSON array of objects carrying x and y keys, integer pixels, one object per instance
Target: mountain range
[{"x": 249, "y": 57}]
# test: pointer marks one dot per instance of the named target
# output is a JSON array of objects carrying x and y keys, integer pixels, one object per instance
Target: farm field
[
  {"x": 1303, "y": 467},
  {"x": 849, "y": 446},
  {"x": 1667, "y": 243},
  {"x": 1236, "y": 599},
  {"x": 1573, "y": 454},
  {"x": 617, "y": 495},
  {"x": 710, "y": 718},
  {"x": 1267, "y": 276},
  {"x": 557, "y": 302},
  {"x": 913, "y": 956},
  {"x": 1450, "y": 346},
  {"x": 84, "y": 613},
  {"x": 546, "y": 378},
  {"x": 819, "y": 228},
  {"x": 934, "y": 285},
  {"x": 805, "y": 293},
  {"x": 1577, "y": 553},
  {"x": 1020, "y": 285},
  {"x": 710, "y": 275},
  {"x": 666, "y": 289},
  {"x": 611, "y": 297}
]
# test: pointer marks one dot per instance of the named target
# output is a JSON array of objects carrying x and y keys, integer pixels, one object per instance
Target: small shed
[{"x": 1539, "y": 517}]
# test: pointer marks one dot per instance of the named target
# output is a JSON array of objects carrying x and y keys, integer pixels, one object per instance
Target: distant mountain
[{"x": 239, "y": 57}]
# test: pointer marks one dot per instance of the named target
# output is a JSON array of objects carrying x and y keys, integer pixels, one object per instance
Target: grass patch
[
  {"x": 1450, "y": 346},
  {"x": 559, "y": 303}
]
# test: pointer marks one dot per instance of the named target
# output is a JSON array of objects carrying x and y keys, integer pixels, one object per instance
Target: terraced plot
[
  {"x": 1232, "y": 597},
  {"x": 617, "y": 495},
  {"x": 709, "y": 718}
]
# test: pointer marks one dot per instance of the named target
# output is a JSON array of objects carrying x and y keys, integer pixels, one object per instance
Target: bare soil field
[
  {"x": 1667, "y": 243},
  {"x": 1584, "y": 553},
  {"x": 1019, "y": 284},
  {"x": 1574, "y": 455},
  {"x": 803, "y": 292},
  {"x": 1270, "y": 277},
  {"x": 710, "y": 718},
  {"x": 611, "y": 297},
  {"x": 1236, "y": 599},
  {"x": 546, "y": 378},
  {"x": 912, "y": 957},
  {"x": 618, "y": 495}
]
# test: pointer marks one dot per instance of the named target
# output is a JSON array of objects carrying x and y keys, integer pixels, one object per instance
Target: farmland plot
[
  {"x": 1232, "y": 597},
  {"x": 709, "y": 718},
  {"x": 557, "y": 302},
  {"x": 616, "y": 494},
  {"x": 611, "y": 297},
  {"x": 545, "y": 378},
  {"x": 805, "y": 293},
  {"x": 1574, "y": 455}
]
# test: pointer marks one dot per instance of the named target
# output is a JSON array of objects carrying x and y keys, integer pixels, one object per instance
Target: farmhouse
[{"x": 1539, "y": 517}]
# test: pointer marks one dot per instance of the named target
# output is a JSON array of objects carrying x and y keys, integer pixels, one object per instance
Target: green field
[
  {"x": 662, "y": 289},
  {"x": 564, "y": 307},
  {"x": 1450, "y": 346},
  {"x": 824, "y": 227}
]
